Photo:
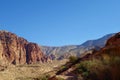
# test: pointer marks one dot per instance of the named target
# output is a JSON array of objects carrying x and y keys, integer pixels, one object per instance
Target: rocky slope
[
  {"x": 103, "y": 64},
  {"x": 17, "y": 50},
  {"x": 76, "y": 50}
]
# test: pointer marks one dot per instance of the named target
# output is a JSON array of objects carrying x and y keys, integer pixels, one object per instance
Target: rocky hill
[
  {"x": 103, "y": 64},
  {"x": 17, "y": 50}
]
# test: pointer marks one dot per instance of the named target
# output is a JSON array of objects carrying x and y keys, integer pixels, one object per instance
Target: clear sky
[{"x": 60, "y": 22}]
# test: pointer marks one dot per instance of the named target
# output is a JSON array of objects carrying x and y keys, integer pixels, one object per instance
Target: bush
[
  {"x": 44, "y": 77},
  {"x": 63, "y": 67},
  {"x": 59, "y": 78},
  {"x": 73, "y": 58}
]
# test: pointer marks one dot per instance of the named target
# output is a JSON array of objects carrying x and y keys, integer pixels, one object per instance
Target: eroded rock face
[
  {"x": 34, "y": 54},
  {"x": 115, "y": 40},
  {"x": 17, "y": 50},
  {"x": 112, "y": 47}
]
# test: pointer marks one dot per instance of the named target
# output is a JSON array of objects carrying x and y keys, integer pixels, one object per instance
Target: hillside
[{"x": 100, "y": 65}]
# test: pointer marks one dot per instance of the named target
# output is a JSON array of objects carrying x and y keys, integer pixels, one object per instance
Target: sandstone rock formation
[
  {"x": 34, "y": 53},
  {"x": 115, "y": 40},
  {"x": 17, "y": 50},
  {"x": 112, "y": 46}
]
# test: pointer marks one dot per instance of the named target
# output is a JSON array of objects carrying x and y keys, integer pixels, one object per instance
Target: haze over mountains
[{"x": 66, "y": 51}]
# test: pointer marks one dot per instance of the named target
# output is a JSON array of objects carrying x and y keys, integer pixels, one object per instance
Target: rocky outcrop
[
  {"x": 99, "y": 63},
  {"x": 112, "y": 47},
  {"x": 17, "y": 50},
  {"x": 115, "y": 40},
  {"x": 34, "y": 54}
]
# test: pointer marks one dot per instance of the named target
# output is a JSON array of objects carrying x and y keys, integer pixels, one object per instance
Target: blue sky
[{"x": 60, "y": 22}]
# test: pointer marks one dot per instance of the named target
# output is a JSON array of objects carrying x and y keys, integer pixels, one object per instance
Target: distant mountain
[
  {"x": 98, "y": 42},
  {"x": 66, "y": 51}
]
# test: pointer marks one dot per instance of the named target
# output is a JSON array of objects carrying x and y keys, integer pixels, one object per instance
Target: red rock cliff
[
  {"x": 112, "y": 47},
  {"x": 17, "y": 50},
  {"x": 34, "y": 53},
  {"x": 115, "y": 40}
]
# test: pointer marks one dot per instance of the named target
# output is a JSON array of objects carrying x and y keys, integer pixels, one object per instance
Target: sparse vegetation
[
  {"x": 97, "y": 69},
  {"x": 29, "y": 72},
  {"x": 103, "y": 67}
]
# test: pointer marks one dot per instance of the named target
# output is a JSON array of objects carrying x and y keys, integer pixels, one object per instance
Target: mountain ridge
[{"x": 76, "y": 49}]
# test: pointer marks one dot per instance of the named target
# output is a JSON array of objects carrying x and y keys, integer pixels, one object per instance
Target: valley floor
[{"x": 29, "y": 72}]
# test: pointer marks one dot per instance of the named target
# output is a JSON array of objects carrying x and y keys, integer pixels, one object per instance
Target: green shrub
[
  {"x": 44, "y": 77},
  {"x": 62, "y": 67},
  {"x": 59, "y": 78},
  {"x": 73, "y": 58}
]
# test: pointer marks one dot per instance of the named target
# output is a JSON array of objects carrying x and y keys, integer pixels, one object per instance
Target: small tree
[{"x": 73, "y": 58}]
